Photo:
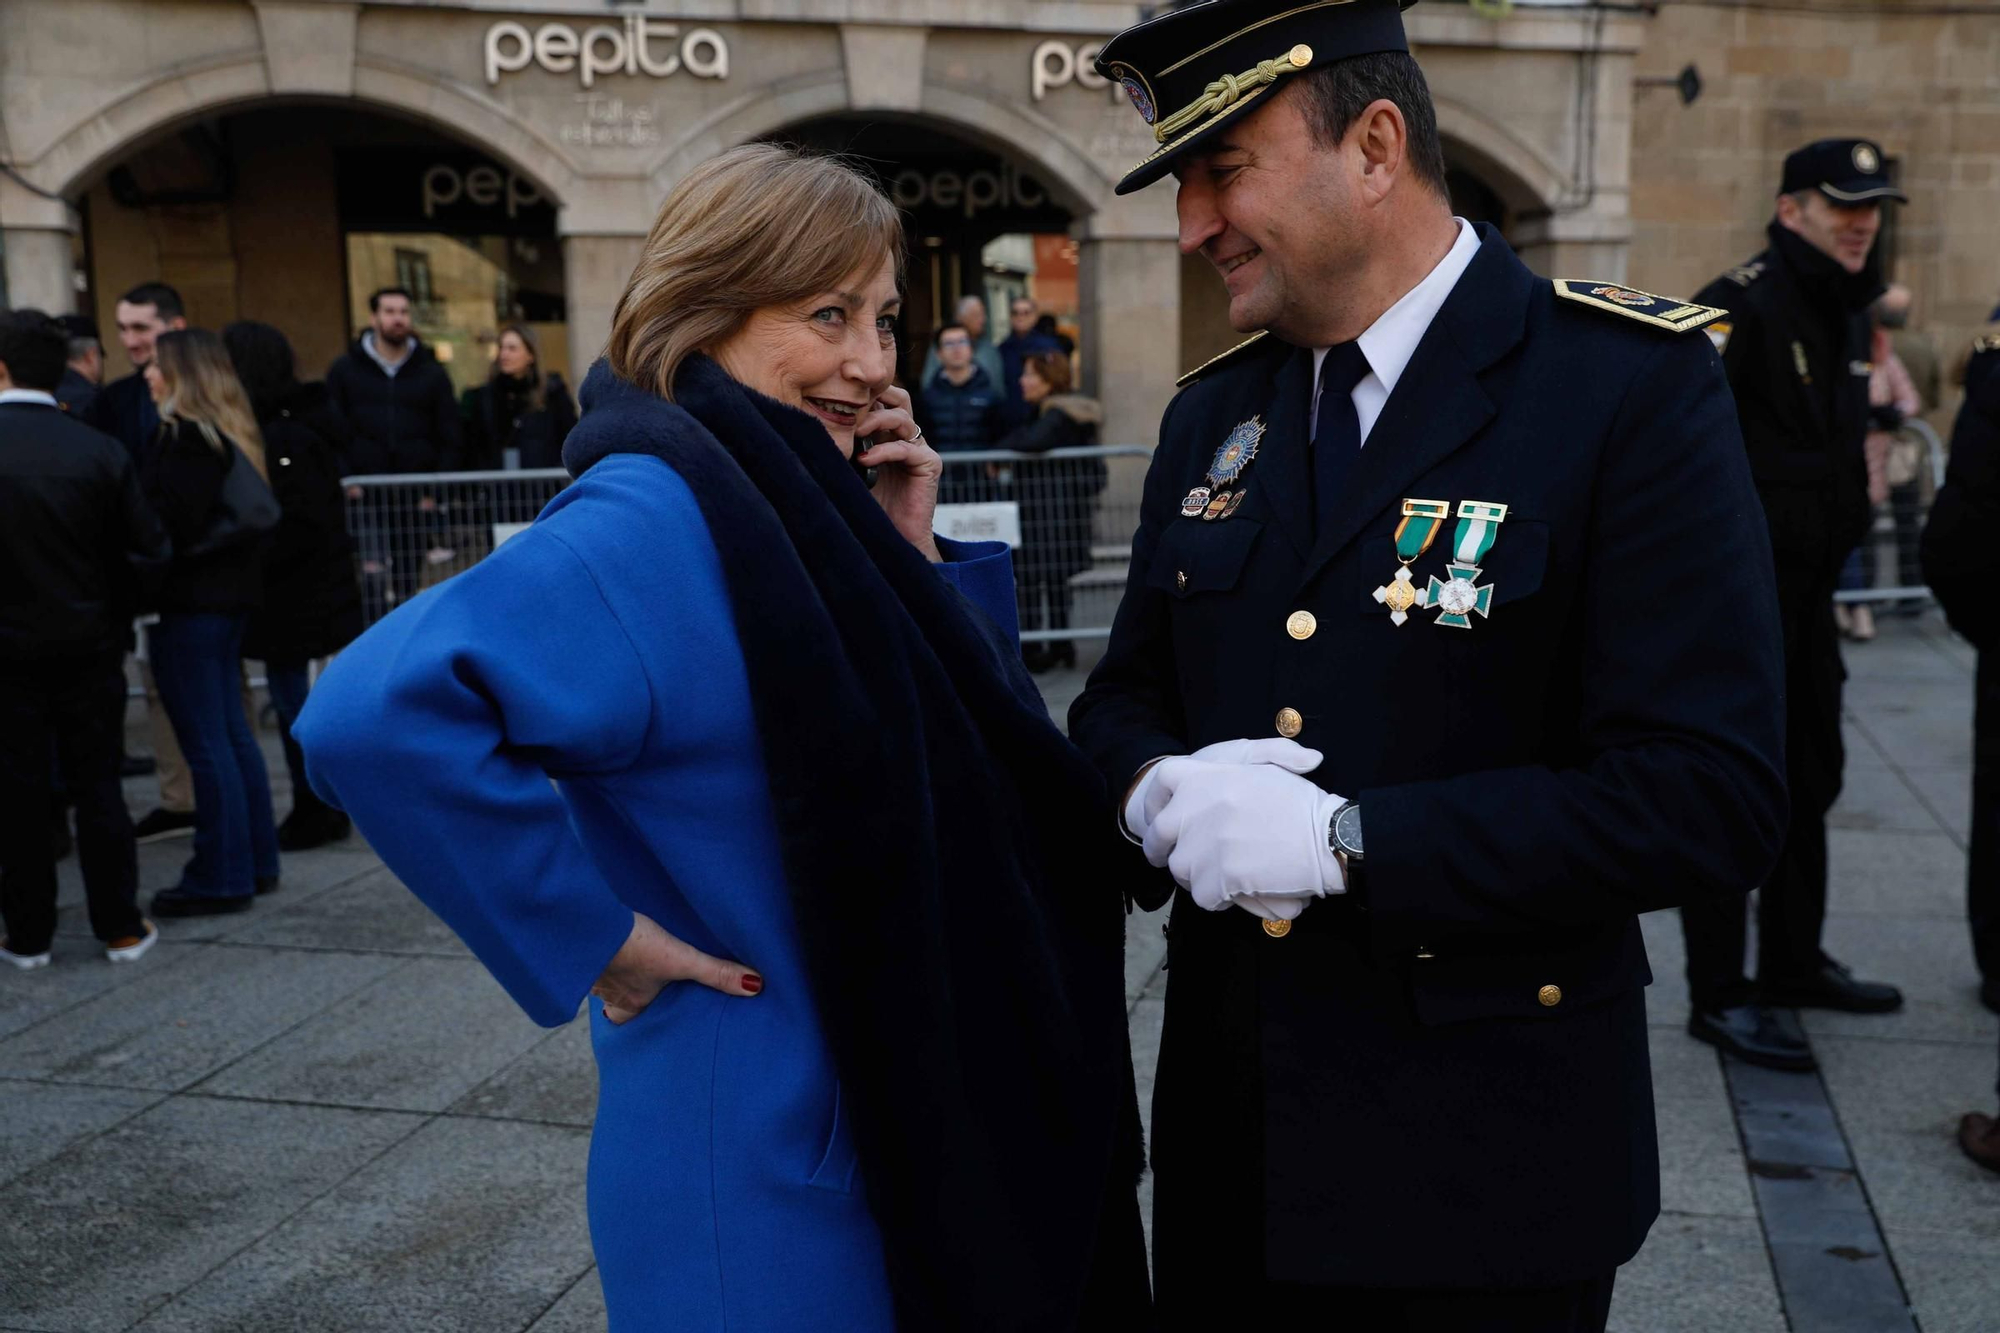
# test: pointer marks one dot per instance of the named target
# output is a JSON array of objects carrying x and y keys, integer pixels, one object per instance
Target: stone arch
[
  {"x": 155, "y": 108},
  {"x": 1037, "y": 143},
  {"x": 1526, "y": 182}
]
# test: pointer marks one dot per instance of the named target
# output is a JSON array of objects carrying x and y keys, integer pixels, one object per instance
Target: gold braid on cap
[{"x": 1223, "y": 93}]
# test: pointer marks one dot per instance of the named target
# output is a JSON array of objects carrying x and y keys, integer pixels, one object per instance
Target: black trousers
[
  {"x": 1791, "y": 909},
  {"x": 75, "y": 706},
  {"x": 1222, "y": 1300},
  {"x": 1982, "y": 879}
]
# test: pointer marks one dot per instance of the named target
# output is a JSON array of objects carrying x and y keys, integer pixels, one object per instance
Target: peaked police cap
[
  {"x": 1847, "y": 171},
  {"x": 1199, "y": 68}
]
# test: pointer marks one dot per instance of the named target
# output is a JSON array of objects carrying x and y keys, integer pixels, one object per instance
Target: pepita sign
[{"x": 633, "y": 48}]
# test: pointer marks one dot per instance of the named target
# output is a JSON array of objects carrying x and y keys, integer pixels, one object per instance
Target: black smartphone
[{"x": 863, "y": 443}]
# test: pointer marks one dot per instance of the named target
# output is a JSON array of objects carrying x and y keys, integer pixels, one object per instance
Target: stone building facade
[{"x": 272, "y": 157}]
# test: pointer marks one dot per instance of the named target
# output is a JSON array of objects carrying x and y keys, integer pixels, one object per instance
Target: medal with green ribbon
[
  {"x": 1460, "y": 596},
  {"x": 1421, "y": 521}
]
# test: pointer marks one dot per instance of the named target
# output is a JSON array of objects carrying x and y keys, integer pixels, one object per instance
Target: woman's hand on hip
[
  {"x": 651, "y": 959},
  {"x": 908, "y": 469}
]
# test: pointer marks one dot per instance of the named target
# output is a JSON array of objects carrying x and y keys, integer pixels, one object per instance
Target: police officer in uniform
[
  {"x": 1796, "y": 347},
  {"x": 1470, "y": 560}
]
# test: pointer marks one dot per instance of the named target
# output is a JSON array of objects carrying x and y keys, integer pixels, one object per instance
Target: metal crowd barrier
[{"x": 1069, "y": 514}]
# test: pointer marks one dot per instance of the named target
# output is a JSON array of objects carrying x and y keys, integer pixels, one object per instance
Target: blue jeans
[{"x": 196, "y": 663}]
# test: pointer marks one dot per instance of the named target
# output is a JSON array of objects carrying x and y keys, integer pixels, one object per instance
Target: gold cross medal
[
  {"x": 1461, "y": 596},
  {"x": 1421, "y": 521}
]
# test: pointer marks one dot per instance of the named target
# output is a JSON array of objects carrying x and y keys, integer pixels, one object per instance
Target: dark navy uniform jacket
[{"x": 1447, "y": 1085}]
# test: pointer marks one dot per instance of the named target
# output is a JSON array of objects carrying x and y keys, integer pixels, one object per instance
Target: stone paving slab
[
  {"x": 553, "y": 1083},
  {"x": 1953, "y": 1280},
  {"x": 369, "y": 913},
  {"x": 79, "y": 973},
  {"x": 466, "y": 1226},
  {"x": 581, "y": 1309},
  {"x": 1701, "y": 1159},
  {"x": 1900, "y": 873},
  {"x": 1698, "y": 1275},
  {"x": 173, "y": 1026},
  {"x": 1947, "y": 792},
  {"x": 43, "y": 1119},
  {"x": 113, "y": 1229},
  {"x": 1877, "y": 799},
  {"x": 417, "y": 1038}
]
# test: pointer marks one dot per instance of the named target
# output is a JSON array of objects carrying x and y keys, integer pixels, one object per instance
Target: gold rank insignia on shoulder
[
  {"x": 1661, "y": 312},
  {"x": 1217, "y": 362},
  {"x": 1745, "y": 274}
]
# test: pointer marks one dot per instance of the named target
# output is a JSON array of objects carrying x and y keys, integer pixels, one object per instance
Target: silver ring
[{"x": 918, "y": 438}]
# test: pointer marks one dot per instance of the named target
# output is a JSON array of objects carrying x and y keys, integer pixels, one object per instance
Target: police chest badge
[{"x": 1223, "y": 492}]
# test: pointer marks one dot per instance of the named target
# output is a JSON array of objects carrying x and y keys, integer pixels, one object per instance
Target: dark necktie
[{"x": 1337, "y": 433}]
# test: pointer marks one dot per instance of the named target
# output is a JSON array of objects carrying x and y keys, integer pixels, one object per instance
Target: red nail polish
[{"x": 752, "y": 982}]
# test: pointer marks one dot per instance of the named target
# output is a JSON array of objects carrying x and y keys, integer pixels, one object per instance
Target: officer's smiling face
[
  {"x": 1275, "y": 213},
  {"x": 829, "y": 354},
  {"x": 1844, "y": 233}
]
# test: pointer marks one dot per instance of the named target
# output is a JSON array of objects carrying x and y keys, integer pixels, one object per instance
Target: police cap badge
[
  {"x": 1847, "y": 171},
  {"x": 1195, "y": 69}
]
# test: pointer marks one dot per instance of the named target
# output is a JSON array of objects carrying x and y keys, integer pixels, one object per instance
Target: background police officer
[
  {"x": 1797, "y": 350},
  {"x": 1463, "y": 532}
]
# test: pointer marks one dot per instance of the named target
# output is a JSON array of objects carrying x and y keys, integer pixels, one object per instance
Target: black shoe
[
  {"x": 136, "y": 766},
  {"x": 1989, "y": 994},
  {"x": 163, "y": 823},
  {"x": 305, "y": 829},
  {"x": 179, "y": 902},
  {"x": 1752, "y": 1034},
  {"x": 1062, "y": 653},
  {"x": 1832, "y": 987},
  {"x": 266, "y": 884}
]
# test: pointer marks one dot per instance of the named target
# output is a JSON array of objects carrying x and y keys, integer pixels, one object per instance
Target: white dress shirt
[
  {"x": 35, "y": 396},
  {"x": 1392, "y": 340}
]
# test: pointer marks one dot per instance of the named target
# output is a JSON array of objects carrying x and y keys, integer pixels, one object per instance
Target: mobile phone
[{"x": 863, "y": 443}]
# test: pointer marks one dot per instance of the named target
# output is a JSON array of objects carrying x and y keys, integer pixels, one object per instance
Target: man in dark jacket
[
  {"x": 1796, "y": 347},
  {"x": 84, "y": 375},
  {"x": 1960, "y": 564},
  {"x": 1023, "y": 340},
  {"x": 78, "y": 549},
  {"x": 398, "y": 401},
  {"x": 124, "y": 410},
  {"x": 960, "y": 408}
]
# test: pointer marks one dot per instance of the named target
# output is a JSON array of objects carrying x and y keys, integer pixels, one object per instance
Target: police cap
[
  {"x": 1847, "y": 171},
  {"x": 1193, "y": 71}
]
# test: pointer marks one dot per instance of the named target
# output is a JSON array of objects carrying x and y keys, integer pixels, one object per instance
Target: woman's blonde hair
[
  {"x": 760, "y": 225},
  {"x": 202, "y": 390}
]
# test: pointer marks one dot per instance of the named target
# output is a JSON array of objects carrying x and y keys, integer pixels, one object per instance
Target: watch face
[{"x": 1347, "y": 828}]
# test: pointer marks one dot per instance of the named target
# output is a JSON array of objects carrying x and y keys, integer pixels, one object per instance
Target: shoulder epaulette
[
  {"x": 1660, "y": 311},
  {"x": 1217, "y": 361}
]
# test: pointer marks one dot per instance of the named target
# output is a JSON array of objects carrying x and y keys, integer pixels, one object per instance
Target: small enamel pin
[{"x": 1195, "y": 502}]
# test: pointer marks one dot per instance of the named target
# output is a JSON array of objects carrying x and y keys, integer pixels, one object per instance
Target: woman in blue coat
[{"x": 742, "y": 750}]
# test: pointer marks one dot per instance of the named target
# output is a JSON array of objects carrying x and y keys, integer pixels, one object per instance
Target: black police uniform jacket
[{"x": 1393, "y": 1086}]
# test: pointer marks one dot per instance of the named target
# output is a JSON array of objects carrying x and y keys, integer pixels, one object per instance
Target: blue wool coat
[{"x": 599, "y": 649}]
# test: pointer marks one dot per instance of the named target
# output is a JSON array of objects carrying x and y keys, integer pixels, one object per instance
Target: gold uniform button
[
  {"x": 1550, "y": 996},
  {"x": 1301, "y": 624},
  {"x": 1180, "y": 579},
  {"x": 1290, "y": 723},
  {"x": 1302, "y": 55},
  {"x": 1277, "y": 930}
]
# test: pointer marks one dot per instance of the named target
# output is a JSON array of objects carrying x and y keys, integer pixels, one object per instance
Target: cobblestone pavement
[{"x": 323, "y": 1115}]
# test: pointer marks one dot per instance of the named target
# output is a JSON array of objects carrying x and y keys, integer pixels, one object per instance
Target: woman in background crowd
[
  {"x": 519, "y": 407},
  {"x": 312, "y": 596},
  {"x": 1058, "y": 500},
  {"x": 219, "y": 521}
]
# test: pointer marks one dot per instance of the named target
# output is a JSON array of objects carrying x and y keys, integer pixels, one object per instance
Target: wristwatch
[{"x": 1343, "y": 834}]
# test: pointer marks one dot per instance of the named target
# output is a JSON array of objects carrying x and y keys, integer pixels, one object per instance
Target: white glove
[
  {"x": 1231, "y": 833},
  {"x": 1143, "y": 806}
]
